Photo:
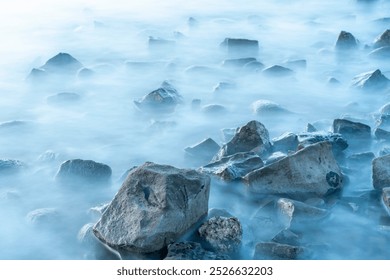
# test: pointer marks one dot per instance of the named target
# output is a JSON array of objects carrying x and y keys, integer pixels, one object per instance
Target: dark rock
[
  {"x": 382, "y": 134},
  {"x": 235, "y": 166},
  {"x": 380, "y": 53},
  {"x": 277, "y": 71},
  {"x": 264, "y": 107},
  {"x": 338, "y": 142},
  {"x": 285, "y": 142},
  {"x": 203, "y": 151},
  {"x": 94, "y": 249},
  {"x": 83, "y": 172},
  {"x": 154, "y": 206},
  {"x": 63, "y": 98},
  {"x": 241, "y": 47},
  {"x": 252, "y": 137},
  {"x": 276, "y": 251},
  {"x": 191, "y": 251},
  {"x": 383, "y": 40},
  {"x": 386, "y": 199},
  {"x": 160, "y": 101},
  {"x": 62, "y": 63},
  {"x": 373, "y": 80},
  {"x": 381, "y": 172},
  {"x": 298, "y": 215},
  {"x": 237, "y": 62},
  {"x": 384, "y": 151},
  {"x": 222, "y": 234},
  {"x": 11, "y": 167},
  {"x": 287, "y": 237},
  {"x": 346, "y": 41},
  {"x": 312, "y": 171},
  {"x": 352, "y": 131}
]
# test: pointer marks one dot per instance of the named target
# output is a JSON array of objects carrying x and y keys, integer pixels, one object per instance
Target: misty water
[{"x": 102, "y": 123}]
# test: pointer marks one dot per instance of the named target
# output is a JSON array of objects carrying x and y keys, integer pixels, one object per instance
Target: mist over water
[{"x": 104, "y": 124}]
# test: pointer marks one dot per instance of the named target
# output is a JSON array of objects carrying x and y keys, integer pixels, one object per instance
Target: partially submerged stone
[
  {"x": 380, "y": 53},
  {"x": 62, "y": 63},
  {"x": 310, "y": 171},
  {"x": 63, "y": 98},
  {"x": 160, "y": 101},
  {"x": 241, "y": 47},
  {"x": 213, "y": 109},
  {"x": 276, "y": 251},
  {"x": 277, "y": 71},
  {"x": 83, "y": 172},
  {"x": 160, "y": 45},
  {"x": 383, "y": 40},
  {"x": 222, "y": 234},
  {"x": 235, "y": 166},
  {"x": 44, "y": 217},
  {"x": 204, "y": 150},
  {"x": 191, "y": 251},
  {"x": 346, "y": 41},
  {"x": 351, "y": 130},
  {"x": 381, "y": 172},
  {"x": 154, "y": 206},
  {"x": 252, "y": 137},
  {"x": 386, "y": 199},
  {"x": 286, "y": 142},
  {"x": 364, "y": 158},
  {"x": 339, "y": 144},
  {"x": 373, "y": 80},
  {"x": 237, "y": 62},
  {"x": 268, "y": 108},
  {"x": 382, "y": 134},
  {"x": 11, "y": 166}
]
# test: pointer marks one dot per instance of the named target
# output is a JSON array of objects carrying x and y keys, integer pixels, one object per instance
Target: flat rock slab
[
  {"x": 154, "y": 207},
  {"x": 310, "y": 171}
]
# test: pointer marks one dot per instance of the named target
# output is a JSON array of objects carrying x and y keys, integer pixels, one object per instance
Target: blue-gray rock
[
  {"x": 81, "y": 172},
  {"x": 383, "y": 40},
  {"x": 203, "y": 151},
  {"x": 241, "y": 47},
  {"x": 63, "y": 98},
  {"x": 381, "y": 172},
  {"x": 192, "y": 251},
  {"x": 277, "y": 71},
  {"x": 267, "y": 108},
  {"x": 62, "y": 63},
  {"x": 155, "y": 206},
  {"x": 373, "y": 80},
  {"x": 339, "y": 144},
  {"x": 213, "y": 109},
  {"x": 276, "y": 251},
  {"x": 11, "y": 166},
  {"x": 237, "y": 62},
  {"x": 346, "y": 41},
  {"x": 380, "y": 53},
  {"x": 352, "y": 130},
  {"x": 286, "y": 142}
]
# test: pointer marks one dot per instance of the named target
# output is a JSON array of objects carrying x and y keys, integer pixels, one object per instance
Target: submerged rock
[
  {"x": 339, "y": 144},
  {"x": 287, "y": 237},
  {"x": 373, "y": 80},
  {"x": 160, "y": 101},
  {"x": 44, "y": 217},
  {"x": 81, "y": 172},
  {"x": 380, "y": 53},
  {"x": 154, "y": 206},
  {"x": 383, "y": 40},
  {"x": 63, "y": 98},
  {"x": 382, "y": 134},
  {"x": 213, "y": 109},
  {"x": 286, "y": 142},
  {"x": 235, "y": 166},
  {"x": 346, "y": 41},
  {"x": 203, "y": 151},
  {"x": 263, "y": 107},
  {"x": 352, "y": 131},
  {"x": 241, "y": 47},
  {"x": 191, "y": 251},
  {"x": 277, "y": 71},
  {"x": 62, "y": 63},
  {"x": 237, "y": 62},
  {"x": 276, "y": 251},
  {"x": 222, "y": 234},
  {"x": 386, "y": 199},
  {"x": 252, "y": 137},
  {"x": 381, "y": 172},
  {"x": 310, "y": 171},
  {"x": 11, "y": 167},
  {"x": 361, "y": 158}
]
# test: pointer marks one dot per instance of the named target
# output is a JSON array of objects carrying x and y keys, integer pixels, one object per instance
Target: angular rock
[
  {"x": 191, "y": 251},
  {"x": 310, "y": 128},
  {"x": 381, "y": 172},
  {"x": 383, "y": 40},
  {"x": 384, "y": 151},
  {"x": 277, "y": 71},
  {"x": 203, "y": 151},
  {"x": 373, "y": 80},
  {"x": 154, "y": 206},
  {"x": 274, "y": 157},
  {"x": 380, "y": 53},
  {"x": 160, "y": 101},
  {"x": 10, "y": 166},
  {"x": 286, "y": 142},
  {"x": 222, "y": 234},
  {"x": 83, "y": 172},
  {"x": 338, "y": 142},
  {"x": 235, "y": 166},
  {"x": 352, "y": 131},
  {"x": 276, "y": 251},
  {"x": 252, "y": 137},
  {"x": 287, "y": 237},
  {"x": 346, "y": 41},
  {"x": 264, "y": 107},
  {"x": 62, "y": 63},
  {"x": 228, "y": 134},
  {"x": 241, "y": 47},
  {"x": 386, "y": 199},
  {"x": 215, "y": 212},
  {"x": 296, "y": 214},
  {"x": 361, "y": 158},
  {"x": 312, "y": 171}
]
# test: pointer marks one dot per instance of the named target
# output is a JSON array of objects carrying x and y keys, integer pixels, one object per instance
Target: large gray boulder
[
  {"x": 234, "y": 167},
  {"x": 310, "y": 171},
  {"x": 381, "y": 172},
  {"x": 252, "y": 137},
  {"x": 85, "y": 172},
  {"x": 154, "y": 206},
  {"x": 222, "y": 234}
]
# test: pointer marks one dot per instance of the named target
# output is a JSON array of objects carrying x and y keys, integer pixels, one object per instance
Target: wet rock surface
[
  {"x": 154, "y": 207},
  {"x": 373, "y": 80},
  {"x": 276, "y": 251},
  {"x": 381, "y": 172},
  {"x": 346, "y": 41},
  {"x": 203, "y": 151},
  {"x": 192, "y": 251}
]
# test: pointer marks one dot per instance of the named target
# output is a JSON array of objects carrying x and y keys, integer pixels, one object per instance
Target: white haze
[{"x": 106, "y": 127}]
